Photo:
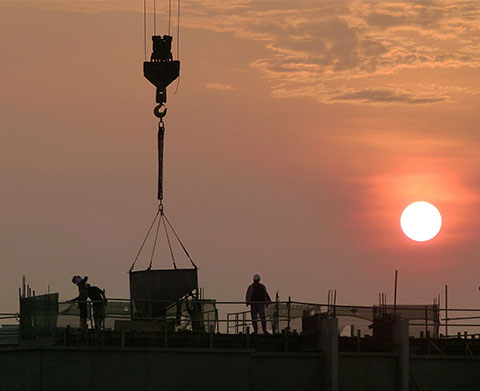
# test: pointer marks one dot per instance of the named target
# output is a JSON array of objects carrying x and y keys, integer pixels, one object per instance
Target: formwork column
[
  {"x": 328, "y": 344},
  {"x": 400, "y": 346}
]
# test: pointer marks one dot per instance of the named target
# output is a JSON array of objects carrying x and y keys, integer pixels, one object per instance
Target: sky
[{"x": 296, "y": 135}]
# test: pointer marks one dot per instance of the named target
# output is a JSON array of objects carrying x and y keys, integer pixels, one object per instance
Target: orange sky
[{"x": 300, "y": 131}]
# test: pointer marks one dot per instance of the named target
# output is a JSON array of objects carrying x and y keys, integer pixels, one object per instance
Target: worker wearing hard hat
[
  {"x": 99, "y": 301},
  {"x": 82, "y": 297},
  {"x": 257, "y": 298}
]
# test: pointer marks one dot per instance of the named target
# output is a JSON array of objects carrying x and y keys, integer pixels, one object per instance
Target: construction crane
[
  {"x": 153, "y": 291},
  {"x": 161, "y": 71}
]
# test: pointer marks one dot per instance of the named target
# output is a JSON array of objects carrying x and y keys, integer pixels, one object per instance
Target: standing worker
[
  {"x": 257, "y": 297},
  {"x": 81, "y": 299},
  {"x": 99, "y": 302}
]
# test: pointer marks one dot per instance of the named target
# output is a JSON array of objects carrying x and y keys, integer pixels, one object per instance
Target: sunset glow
[{"x": 421, "y": 221}]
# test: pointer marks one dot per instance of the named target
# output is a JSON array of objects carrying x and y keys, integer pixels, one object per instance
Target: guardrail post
[{"x": 247, "y": 340}]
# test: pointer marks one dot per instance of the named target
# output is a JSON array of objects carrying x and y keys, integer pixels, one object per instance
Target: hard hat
[
  {"x": 75, "y": 279},
  {"x": 256, "y": 277}
]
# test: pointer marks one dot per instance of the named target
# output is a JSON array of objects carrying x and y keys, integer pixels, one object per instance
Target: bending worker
[
  {"x": 257, "y": 298},
  {"x": 99, "y": 301},
  {"x": 81, "y": 299}
]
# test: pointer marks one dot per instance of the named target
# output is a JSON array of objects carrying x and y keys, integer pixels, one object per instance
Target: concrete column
[
  {"x": 400, "y": 346},
  {"x": 328, "y": 344}
]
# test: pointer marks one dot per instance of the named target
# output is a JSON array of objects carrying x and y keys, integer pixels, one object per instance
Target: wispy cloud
[
  {"x": 219, "y": 86},
  {"x": 317, "y": 48},
  {"x": 375, "y": 95}
]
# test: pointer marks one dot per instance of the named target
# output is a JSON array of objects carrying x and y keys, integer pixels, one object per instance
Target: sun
[{"x": 421, "y": 221}]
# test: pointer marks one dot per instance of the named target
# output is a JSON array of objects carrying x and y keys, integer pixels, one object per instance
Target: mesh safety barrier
[{"x": 38, "y": 315}]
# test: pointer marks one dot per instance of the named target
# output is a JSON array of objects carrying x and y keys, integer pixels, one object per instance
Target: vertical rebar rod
[
  {"x": 335, "y": 303},
  {"x": 288, "y": 312},
  {"x": 395, "y": 293},
  {"x": 426, "y": 320},
  {"x": 438, "y": 316},
  {"x": 446, "y": 311},
  {"x": 328, "y": 303},
  {"x": 379, "y": 305},
  {"x": 276, "y": 314}
]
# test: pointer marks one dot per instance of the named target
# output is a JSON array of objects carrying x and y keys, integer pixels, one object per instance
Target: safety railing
[
  {"x": 281, "y": 316},
  {"x": 211, "y": 316}
]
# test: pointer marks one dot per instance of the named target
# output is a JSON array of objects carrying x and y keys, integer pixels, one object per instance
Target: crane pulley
[{"x": 161, "y": 70}]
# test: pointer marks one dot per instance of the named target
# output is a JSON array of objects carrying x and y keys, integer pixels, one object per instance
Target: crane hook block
[
  {"x": 161, "y": 70},
  {"x": 158, "y": 113}
]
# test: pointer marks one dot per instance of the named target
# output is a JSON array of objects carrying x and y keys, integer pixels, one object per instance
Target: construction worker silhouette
[
  {"x": 81, "y": 299},
  {"x": 99, "y": 301},
  {"x": 257, "y": 298}
]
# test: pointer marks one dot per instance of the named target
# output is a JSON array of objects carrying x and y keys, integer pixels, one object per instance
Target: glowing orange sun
[{"x": 421, "y": 221}]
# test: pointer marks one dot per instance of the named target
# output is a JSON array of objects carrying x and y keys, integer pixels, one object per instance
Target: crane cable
[
  {"x": 169, "y": 14},
  {"x": 155, "y": 241},
  {"x": 155, "y": 27},
  {"x": 144, "y": 240},
  {"x": 154, "y": 18},
  {"x": 178, "y": 29},
  {"x": 162, "y": 219},
  {"x": 178, "y": 43},
  {"x": 145, "y": 28},
  {"x": 168, "y": 240}
]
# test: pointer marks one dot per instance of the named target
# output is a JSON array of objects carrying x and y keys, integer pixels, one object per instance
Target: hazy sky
[{"x": 299, "y": 133}]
